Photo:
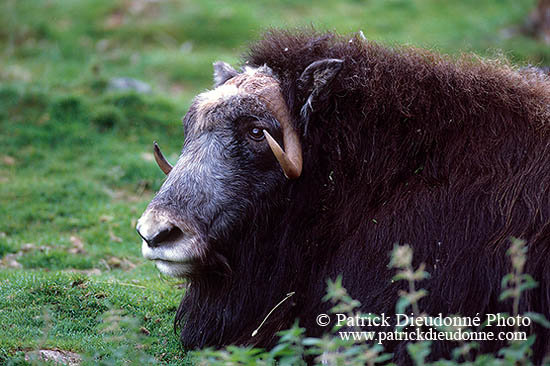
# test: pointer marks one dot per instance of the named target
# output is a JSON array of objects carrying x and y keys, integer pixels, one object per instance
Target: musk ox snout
[
  {"x": 156, "y": 229},
  {"x": 168, "y": 242}
]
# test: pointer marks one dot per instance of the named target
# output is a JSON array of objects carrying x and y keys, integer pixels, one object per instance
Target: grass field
[{"x": 76, "y": 168}]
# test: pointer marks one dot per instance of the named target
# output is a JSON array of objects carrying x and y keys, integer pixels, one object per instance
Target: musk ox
[{"x": 321, "y": 155}]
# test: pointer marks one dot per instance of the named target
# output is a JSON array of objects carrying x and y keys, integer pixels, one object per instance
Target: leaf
[
  {"x": 280, "y": 349},
  {"x": 419, "y": 351},
  {"x": 383, "y": 358},
  {"x": 506, "y": 279},
  {"x": 8, "y": 160},
  {"x": 311, "y": 341},
  {"x": 507, "y": 294},
  {"x": 402, "y": 305},
  {"x": 527, "y": 283},
  {"x": 78, "y": 245},
  {"x": 113, "y": 237},
  {"x": 401, "y": 275},
  {"x": 421, "y": 274},
  {"x": 538, "y": 318}
]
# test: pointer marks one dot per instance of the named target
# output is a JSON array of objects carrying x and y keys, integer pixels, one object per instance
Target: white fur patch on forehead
[
  {"x": 215, "y": 96},
  {"x": 208, "y": 100},
  {"x": 253, "y": 80},
  {"x": 236, "y": 85},
  {"x": 250, "y": 70},
  {"x": 261, "y": 71}
]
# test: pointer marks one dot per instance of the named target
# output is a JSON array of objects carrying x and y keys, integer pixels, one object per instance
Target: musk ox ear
[
  {"x": 315, "y": 82},
  {"x": 222, "y": 72}
]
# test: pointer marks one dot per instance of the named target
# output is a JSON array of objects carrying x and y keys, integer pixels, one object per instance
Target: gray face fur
[{"x": 225, "y": 163}]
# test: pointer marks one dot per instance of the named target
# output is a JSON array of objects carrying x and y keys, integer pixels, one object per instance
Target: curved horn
[
  {"x": 161, "y": 161},
  {"x": 291, "y": 157},
  {"x": 291, "y": 160}
]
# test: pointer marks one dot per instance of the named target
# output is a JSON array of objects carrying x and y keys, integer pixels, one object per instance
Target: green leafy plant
[{"x": 333, "y": 349}]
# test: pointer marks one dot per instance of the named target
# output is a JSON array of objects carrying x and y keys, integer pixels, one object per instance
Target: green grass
[
  {"x": 75, "y": 162},
  {"x": 63, "y": 310}
]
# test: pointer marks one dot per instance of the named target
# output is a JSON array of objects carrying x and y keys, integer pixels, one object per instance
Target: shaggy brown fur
[{"x": 449, "y": 156}]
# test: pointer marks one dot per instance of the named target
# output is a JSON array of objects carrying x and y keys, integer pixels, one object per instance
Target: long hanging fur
[{"x": 449, "y": 156}]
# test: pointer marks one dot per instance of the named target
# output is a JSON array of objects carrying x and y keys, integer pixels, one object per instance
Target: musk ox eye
[{"x": 256, "y": 134}]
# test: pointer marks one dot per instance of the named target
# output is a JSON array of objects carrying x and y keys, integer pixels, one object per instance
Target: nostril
[
  {"x": 164, "y": 235},
  {"x": 161, "y": 236}
]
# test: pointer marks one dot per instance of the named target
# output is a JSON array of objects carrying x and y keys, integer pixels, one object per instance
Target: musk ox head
[{"x": 241, "y": 143}]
